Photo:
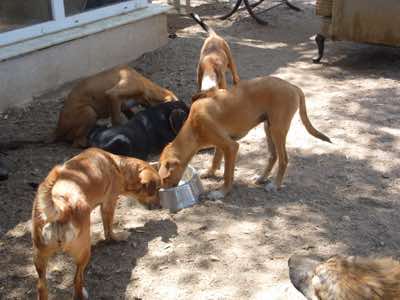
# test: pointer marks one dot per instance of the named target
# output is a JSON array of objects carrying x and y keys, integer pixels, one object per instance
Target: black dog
[{"x": 147, "y": 132}]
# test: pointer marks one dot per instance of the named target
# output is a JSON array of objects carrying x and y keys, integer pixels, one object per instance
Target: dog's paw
[
  {"x": 83, "y": 296},
  {"x": 270, "y": 187},
  {"x": 216, "y": 195},
  {"x": 207, "y": 174},
  {"x": 120, "y": 236},
  {"x": 85, "y": 293},
  {"x": 259, "y": 179}
]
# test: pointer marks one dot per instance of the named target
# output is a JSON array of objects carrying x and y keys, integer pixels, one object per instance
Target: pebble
[
  {"x": 346, "y": 218},
  {"x": 214, "y": 258}
]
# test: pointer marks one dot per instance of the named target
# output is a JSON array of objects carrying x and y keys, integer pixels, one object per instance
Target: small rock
[
  {"x": 203, "y": 227},
  {"x": 346, "y": 218},
  {"x": 381, "y": 243},
  {"x": 308, "y": 247},
  {"x": 163, "y": 268},
  {"x": 214, "y": 258},
  {"x": 385, "y": 176}
]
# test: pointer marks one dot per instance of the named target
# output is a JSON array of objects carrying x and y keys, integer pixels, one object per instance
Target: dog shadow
[{"x": 112, "y": 264}]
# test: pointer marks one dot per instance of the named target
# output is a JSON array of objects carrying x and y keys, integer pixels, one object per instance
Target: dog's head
[
  {"x": 170, "y": 168},
  {"x": 150, "y": 184},
  {"x": 340, "y": 277},
  {"x": 144, "y": 185}
]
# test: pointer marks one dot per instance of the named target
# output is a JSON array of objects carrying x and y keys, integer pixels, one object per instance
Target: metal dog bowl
[{"x": 185, "y": 194}]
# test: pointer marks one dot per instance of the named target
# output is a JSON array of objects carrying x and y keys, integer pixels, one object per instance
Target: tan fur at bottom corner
[{"x": 346, "y": 278}]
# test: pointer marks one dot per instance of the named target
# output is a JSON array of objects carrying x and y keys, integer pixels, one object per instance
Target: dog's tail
[
  {"x": 306, "y": 122},
  {"x": 207, "y": 28},
  {"x": 53, "y": 208}
]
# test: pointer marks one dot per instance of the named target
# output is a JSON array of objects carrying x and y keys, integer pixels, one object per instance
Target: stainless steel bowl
[{"x": 185, "y": 194}]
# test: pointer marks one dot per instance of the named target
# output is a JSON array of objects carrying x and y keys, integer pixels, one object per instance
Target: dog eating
[
  {"x": 346, "y": 277},
  {"x": 65, "y": 199},
  {"x": 219, "y": 117},
  {"x": 215, "y": 59},
  {"x": 102, "y": 96},
  {"x": 146, "y": 133}
]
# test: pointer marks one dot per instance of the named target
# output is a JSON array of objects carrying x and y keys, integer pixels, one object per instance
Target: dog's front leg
[
  {"x": 234, "y": 71},
  {"x": 216, "y": 164},
  {"x": 107, "y": 215},
  {"x": 230, "y": 149}
]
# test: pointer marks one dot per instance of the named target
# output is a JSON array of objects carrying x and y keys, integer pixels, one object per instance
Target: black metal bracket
[{"x": 250, "y": 7}]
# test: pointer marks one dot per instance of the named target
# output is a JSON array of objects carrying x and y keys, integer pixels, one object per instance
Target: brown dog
[
  {"x": 65, "y": 199},
  {"x": 346, "y": 278},
  {"x": 101, "y": 96},
  {"x": 215, "y": 59},
  {"x": 224, "y": 116}
]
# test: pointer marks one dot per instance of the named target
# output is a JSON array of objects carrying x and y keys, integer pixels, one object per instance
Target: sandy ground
[{"x": 338, "y": 198}]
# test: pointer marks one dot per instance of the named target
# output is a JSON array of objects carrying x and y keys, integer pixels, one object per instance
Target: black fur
[{"x": 147, "y": 132}]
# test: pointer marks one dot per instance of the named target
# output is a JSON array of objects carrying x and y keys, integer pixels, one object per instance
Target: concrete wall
[{"x": 27, "y": 76}]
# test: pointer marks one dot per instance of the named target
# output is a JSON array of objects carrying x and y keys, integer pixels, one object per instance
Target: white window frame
[{"x": 60, "y": 21}]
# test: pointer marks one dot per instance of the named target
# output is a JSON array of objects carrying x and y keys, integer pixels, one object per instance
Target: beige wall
[{"x": 30, "y": 75}]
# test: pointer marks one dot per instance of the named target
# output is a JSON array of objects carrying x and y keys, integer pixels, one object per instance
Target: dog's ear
[
  {"x": 164, "y": 171},
  {"x": 151, "y": 188},
  {"x": 301, "y": 272},
  {"x": 176, "y": 119}
]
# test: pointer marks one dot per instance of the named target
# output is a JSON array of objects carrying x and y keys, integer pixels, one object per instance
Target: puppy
[
  {"x": 346, "y": 278},
  {"x": 215, "y": 59},
  {"x": 146, "y": 133},
  {"x": 65, "y": 199},
  {"x": 222, "y": 117},
  {"x": 101, "y": 96}
]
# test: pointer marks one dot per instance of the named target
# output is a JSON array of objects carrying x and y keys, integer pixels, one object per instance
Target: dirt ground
[{"x": 338, "y": 198}]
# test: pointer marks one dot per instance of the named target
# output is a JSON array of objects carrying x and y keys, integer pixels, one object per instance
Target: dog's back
[
  {"x": 146, "y": 133},
  {"x": 346, "y": 278}
]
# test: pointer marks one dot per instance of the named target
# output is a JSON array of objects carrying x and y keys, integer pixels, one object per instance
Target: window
[{"x": 22, "y": 19}]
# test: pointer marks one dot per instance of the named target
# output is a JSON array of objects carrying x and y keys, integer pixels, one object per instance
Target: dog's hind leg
[
  {"x": 40, "y": 260},
  {"x": 80, "y": 251},
  {"x": 82, "y": 132},
  {"x": 260, "y": 179},
  {"x": 278, "y": 136}
]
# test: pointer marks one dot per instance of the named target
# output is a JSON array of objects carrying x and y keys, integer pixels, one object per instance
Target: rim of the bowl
[{"x": 194, "y": 172}]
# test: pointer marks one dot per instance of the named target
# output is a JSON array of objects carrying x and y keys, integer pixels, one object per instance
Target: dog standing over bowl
[
  {"x": 223, "y": 116},
  {"x": 346, "y": 277},
  {"x": 147, "y": 132},
  {"x": 65, "y": 199},
  {"x": 101, "y": 96}
]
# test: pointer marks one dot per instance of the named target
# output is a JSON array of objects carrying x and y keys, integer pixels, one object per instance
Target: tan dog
[
  {"x": 346, "y": 278},
  {"x": 215, "y": 59},
  {"x": 65, "y": 199},
  {"x": 223, "y": 116},
  {"x": 101, "y": 96}
]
